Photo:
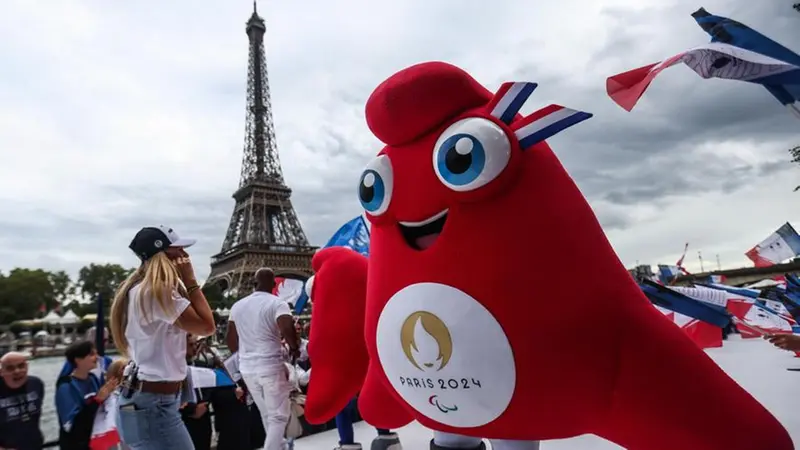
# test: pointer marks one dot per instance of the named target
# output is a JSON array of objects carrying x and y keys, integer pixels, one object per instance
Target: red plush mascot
[{"x": 469, "y": 317}]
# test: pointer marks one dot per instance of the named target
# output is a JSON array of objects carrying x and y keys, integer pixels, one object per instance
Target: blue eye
[
  {"x": 461, "y": 159},
  {"x": 471, "y": 153},
  {"x": 375, "y": 186},
  {"x": 371, "y": 190}
]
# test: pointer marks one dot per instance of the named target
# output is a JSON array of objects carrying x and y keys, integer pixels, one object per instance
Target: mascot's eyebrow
[
  {"x": 508, "y": 100},
  {"x": 540, "y": 125}
]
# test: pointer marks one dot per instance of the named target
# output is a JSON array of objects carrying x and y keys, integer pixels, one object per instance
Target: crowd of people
[{"x": 149, "y": 395}]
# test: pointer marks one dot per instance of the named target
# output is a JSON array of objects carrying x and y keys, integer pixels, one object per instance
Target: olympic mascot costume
[{"x": 466, "y": 316}]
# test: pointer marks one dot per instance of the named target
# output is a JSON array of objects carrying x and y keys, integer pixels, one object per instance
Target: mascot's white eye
[
  {"x": 375, "y": 186},
  {"x": 471, "y": 153},
  {"x": 309, "y": 286}
]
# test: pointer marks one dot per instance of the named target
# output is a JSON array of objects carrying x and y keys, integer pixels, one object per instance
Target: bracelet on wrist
[{"x": 192, "y": 288}]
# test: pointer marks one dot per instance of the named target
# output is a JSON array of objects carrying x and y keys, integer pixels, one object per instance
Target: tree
[
  {"x": 795, "y": 152},
  {"x": 215, "y": 296},
  {"x": 25, "y": 291},
  {"x": 7, "y": 314},
  {"x": 82, "y": 309},
  {"x": 101, "y": 280},
  {"x": 62, "y": 286}
]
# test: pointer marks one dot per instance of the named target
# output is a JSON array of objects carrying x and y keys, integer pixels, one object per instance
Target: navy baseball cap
[{"x": 151, "y": 240}]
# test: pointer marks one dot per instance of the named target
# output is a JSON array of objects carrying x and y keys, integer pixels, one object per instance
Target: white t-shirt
[
  {"x": 157, "y": 346},
  {"x": 260, "y": 349}
]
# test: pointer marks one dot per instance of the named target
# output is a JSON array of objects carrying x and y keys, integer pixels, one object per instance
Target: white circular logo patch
[{"x": 446, "y": 355}]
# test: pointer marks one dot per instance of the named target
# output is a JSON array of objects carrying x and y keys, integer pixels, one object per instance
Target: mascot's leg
[
  {"x": 447, "y": 441},
  {"x": 502, "y": 444}
]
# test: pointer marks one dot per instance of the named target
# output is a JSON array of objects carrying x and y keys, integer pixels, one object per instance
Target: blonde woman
[{"x": 152, "y": 312}]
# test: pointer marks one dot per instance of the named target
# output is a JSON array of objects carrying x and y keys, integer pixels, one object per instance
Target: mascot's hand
[{"x": 336, "y": 345}]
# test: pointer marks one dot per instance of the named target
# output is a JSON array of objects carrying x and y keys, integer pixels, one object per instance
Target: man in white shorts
[{"x": 255, "y": 327}]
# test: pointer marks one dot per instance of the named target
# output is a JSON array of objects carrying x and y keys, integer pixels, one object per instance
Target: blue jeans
[
  {"x": 152, "y": 422},
  {"x": 344, "y": 423}
]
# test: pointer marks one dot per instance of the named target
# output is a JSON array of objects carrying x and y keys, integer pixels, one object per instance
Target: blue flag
[
  {"x": 353, "y": 235},
  {"x": 744, "y": 292},
  {"x": 785, "y": 86},
  {"x": 675, "y": 301},
  {"x": 790, "y": 297},
  {"x": 792, "y": 283}
]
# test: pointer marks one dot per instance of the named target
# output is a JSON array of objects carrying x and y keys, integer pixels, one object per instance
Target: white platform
[{"x": 753, "y": 363}]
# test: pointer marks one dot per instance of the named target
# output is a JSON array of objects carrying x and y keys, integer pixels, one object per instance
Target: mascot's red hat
[{"x": 468, "y": 315}]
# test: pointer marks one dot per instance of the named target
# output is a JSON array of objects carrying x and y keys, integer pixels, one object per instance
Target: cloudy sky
[{"x": 116, "y": 115}]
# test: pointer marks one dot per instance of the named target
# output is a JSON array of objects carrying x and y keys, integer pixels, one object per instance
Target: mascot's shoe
[
  {"x": 482, "y": 446},
  {"x": 386, "y": 442},
  {"x": 348, "y": 447}
]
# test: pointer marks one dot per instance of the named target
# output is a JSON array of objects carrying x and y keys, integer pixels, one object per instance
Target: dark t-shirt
[{"x": 20, "y": 410}]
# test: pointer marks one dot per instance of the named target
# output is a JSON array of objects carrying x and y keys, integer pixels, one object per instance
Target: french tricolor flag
[
  {"x": 703, "y": 334},
  {"x": 206, "y": 378},
  {"x": 104, "y": 430},
  {"x": 760, "y": 320},
  {"x": 714, "y": 60},
  {"x": 717, "y": 278},
  {"x": 781, "y": 245}
]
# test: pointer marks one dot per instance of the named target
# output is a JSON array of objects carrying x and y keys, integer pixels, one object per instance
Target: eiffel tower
[{"x": 264, "y": 230}]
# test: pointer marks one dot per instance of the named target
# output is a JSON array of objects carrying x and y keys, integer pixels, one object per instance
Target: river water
[{"x": 48, "y": 369}]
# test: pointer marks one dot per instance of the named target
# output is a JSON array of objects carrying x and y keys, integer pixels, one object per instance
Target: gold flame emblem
[{"x": 426, "y": 341}]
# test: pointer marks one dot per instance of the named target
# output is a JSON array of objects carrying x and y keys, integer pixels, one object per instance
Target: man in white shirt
[{"x": 255, "y": 327}]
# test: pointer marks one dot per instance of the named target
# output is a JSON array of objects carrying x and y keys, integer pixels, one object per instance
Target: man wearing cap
[
  {"x": 152, "y": 312},
  {"x": 255, "y": 327}
]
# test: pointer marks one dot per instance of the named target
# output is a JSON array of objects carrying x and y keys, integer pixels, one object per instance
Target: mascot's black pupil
[
  {"x": 367, "y": 193},
  {"x": 456, "y": 162}
]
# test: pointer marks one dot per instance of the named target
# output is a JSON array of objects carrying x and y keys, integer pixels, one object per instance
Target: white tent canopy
[
  {"x": 70, "y": 318},
  {"x": 52, "y": 318}
]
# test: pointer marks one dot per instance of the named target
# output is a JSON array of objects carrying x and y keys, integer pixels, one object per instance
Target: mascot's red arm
[
  {"x": 377, "y": 405},
  {"x": 336, "y": 345}
]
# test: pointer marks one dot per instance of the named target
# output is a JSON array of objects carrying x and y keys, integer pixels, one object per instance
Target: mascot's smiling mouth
[{"x": 421, "y": 235}]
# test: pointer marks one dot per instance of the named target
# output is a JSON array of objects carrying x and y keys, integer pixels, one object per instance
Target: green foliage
[
  {"x": 795, "y": 152},
  {"x": 24, "y": 293},
  {"x": 62, "y": 285},
  {"x": 217, "y": 298},
  {"x": 101, "y": 280}
]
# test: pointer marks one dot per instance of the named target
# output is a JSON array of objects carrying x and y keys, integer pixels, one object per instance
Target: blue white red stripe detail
[
  {"x": 508, "y": 100},
  {"x": 545, "y": 123}
]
